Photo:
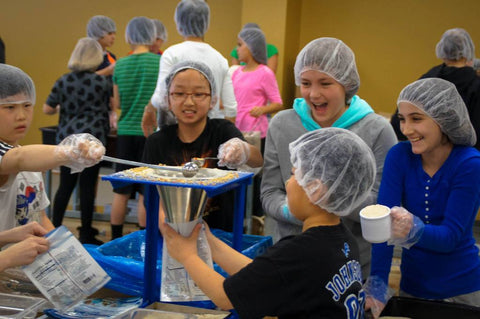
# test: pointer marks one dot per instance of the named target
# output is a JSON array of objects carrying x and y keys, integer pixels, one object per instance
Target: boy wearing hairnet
[
  {"x": 134, "y": 81},
  {"x": 434, "y": 177},
  {"x": 103, "y": 29},
  {"x": 192, "y": 18},
  {"x": 310, "y": 275},
  {"x": 22, "y": 190}
]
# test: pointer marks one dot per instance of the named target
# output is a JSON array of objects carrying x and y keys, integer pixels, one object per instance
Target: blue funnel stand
[{"x": 152, "y": 234}]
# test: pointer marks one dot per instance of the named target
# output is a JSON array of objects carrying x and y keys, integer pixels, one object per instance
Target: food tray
[
  {"x": 15, "y": 306},
  {"x": 427, "y": 309}
]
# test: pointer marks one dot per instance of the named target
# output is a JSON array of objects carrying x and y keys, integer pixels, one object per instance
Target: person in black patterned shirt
[{"x": 82, "y": 99}]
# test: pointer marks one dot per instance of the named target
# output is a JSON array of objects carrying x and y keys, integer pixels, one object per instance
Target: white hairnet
[
  {"x": 15, "y": 81},
  {"x": 335, "y": 168},
  {"x": 161, "y": 31},
  {"x": 256, "y": 43},
  {"x": 455, "y": 44},
  {"x": 440, "y": 100},
  {"x": 140, "y": 31},
  {"x": 476, "y": 64},
  {"x": 332, "y": 57},
  {"x": 99, "y": 26},
  {"x": 192, "y": 18},
  {"x": 251, "y": 25},
  {"x": 200, "y": 67},
  {"x": 87, "y": 55}
]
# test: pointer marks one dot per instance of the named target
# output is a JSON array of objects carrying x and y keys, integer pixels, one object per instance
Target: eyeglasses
[{"x": 182, "y": 96}]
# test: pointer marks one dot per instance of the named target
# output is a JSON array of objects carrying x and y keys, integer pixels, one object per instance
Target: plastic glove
[
  {"x": 377, "y": 294},
  {"x": 288, "y": 215},
  {"x": 233, "y": 153},
  {"x": 406, "y": 228},
  {"x": 113, "y": 119},
  {"x": 81, "y": 150}
]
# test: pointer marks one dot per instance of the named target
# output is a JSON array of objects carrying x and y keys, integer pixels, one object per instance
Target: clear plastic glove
[
  {"x": 377, "y": 295},
  {"x": 406, "y": 228},
  {"x": 81, "y": 150},
  {"x": 289, "y": 217},
  {"x": 113, "y": 119},
  {"x": 233, "y": 153}
]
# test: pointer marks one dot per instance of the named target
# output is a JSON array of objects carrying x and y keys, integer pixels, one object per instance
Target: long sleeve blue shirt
[{"x": 445, "y": 261}]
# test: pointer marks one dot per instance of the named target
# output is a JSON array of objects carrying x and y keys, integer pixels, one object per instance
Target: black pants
[{"x": 88, "y": 182}]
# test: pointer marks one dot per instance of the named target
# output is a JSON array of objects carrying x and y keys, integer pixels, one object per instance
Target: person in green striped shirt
[{"x": 134, "y": 79}]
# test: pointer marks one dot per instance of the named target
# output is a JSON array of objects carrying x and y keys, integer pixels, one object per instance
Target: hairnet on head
[
  {"x": 192, "y": 18},
  {"x": 335, "y": 168},
  {"x": 476, "y": 64},
  {"x": 86, "y": 56},
  {"x": 140, "y": 31},
  {"x": 251, "y": 25},
  {"x": 440, "y": 100},
  {"x": 99, "y": 26},
  {"x": 455, "y": 44},
  {"x": 200, "y": 67},
  {"x": 256, "y": 43},
  {"x": 161, "y": 31},
  {"x": 332, "y": 57},
  {"x": 15, "y": 81}
]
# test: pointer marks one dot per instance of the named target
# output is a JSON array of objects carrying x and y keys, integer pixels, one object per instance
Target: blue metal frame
[{"x": 239, "y": 185}]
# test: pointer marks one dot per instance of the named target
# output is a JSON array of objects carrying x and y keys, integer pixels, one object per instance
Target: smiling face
[
  {"x": 421, "y": 130},
  {"x": 15, "y": 119},
  {"x": 324, "y": 95},
  {"x": 190, "y": 111}
]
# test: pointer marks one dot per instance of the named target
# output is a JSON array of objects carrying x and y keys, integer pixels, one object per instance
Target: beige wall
[
  {"x": 394, "y": 41},
  {"x": 40, "y": 35}
]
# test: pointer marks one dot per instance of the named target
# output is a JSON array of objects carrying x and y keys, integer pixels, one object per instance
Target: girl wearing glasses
[{"x": 191, "y": 93}]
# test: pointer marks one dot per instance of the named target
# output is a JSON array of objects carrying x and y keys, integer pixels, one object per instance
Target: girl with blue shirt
[{"x": 434, "y": 177}]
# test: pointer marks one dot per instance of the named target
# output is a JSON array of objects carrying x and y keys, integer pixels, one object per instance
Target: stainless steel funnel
[{"x": 182, "y": 204}]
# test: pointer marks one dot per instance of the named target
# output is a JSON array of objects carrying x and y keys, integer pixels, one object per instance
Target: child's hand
[
  {"x": 406, "y": 228},
  {"x": 80, "y": 151},
  {"x": 112, "y": 118},
  {"x": 233, "y": 153},
  {"x": 20, "y": 233},
  {"x": 180, "y": 248},
  {"x": 24, "y": 252},
  {"x": 149, "y": 120},
  {"x": 256, "y": 111},
  {"x": 374, "y": 305}
]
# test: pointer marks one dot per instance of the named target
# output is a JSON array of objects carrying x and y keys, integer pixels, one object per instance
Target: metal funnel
[{"x": 182, "y": 204}]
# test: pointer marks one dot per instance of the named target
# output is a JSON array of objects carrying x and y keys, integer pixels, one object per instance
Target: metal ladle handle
[{"x": 140, "y": 164}]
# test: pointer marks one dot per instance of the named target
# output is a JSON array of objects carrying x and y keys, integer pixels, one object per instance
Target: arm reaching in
[
  {"x": 235, "y": 152},
  {"x": 184, "y": 250}
]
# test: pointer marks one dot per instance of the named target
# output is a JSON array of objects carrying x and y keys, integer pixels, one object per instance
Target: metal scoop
[
  {"x": 200, "y": 161},
  {"x": 189, "y": 169}
]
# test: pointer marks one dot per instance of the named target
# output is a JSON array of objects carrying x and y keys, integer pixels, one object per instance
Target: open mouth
[
  {"x": 416, "y": 139},
  {"x": 319, "y": 106}
]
